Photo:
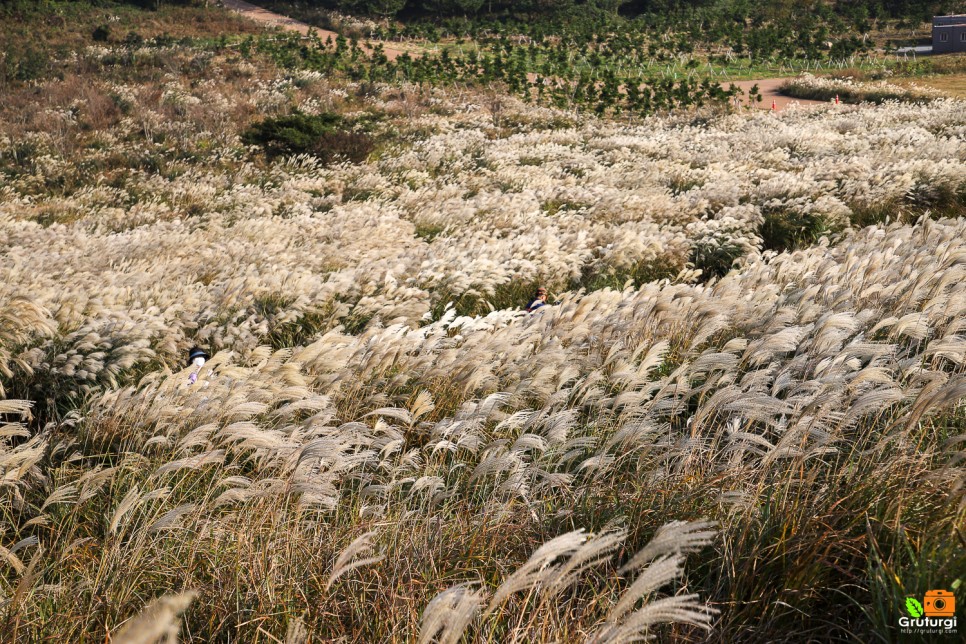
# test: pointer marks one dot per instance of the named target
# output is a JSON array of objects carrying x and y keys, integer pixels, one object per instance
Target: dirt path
[
  {"x": 768, "y": 86},
  {"x": 272, "y": 19}
]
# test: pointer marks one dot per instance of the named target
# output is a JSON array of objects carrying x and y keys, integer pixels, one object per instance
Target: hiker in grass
[
  {"x": 196, "y": 358},
  {"x": 539, "y": 299}
]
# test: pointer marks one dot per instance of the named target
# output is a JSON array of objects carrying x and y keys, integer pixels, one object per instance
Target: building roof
[{"x": 949, "y": 21}]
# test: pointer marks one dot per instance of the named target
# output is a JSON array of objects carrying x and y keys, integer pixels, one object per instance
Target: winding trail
[
  {"x": 767, "y": 86},
  {"x": 271, "y": 19}
]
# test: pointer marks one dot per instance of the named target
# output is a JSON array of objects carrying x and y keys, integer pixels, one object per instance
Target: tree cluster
[{"x": 772, "y": 9}]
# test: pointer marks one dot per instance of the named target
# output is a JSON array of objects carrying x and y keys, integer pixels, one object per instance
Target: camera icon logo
[{"x": 939, "y": 603}]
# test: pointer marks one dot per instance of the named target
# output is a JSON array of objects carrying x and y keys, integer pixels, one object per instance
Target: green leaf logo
[{"x": 914, "y": 607}]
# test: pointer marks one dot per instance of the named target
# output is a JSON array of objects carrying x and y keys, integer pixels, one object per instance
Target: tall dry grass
[
  {"x": 399, "y": 482},
  {"x": 851, "y": 90},
  {"x": 770, "y": 450}
]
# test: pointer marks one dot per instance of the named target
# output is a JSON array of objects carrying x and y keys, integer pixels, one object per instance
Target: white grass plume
[
  {"x": 19, "y": 407},
  {"x": 126, "y": 505},
  {"x": 449, "y": 613},
  {"x": 538, "y": 568},
  {"x": 347, "y": 561},
  {"x": 172, "y": 518},
  {"x": 681, "y": 609},
  {"x": 665, "y": 553},
  {"x": 157, "y": 622},
  {"x": 63, "y": 494},
  {"x": 596, "y": 551},
  {"x": 674, "y": 537},
  {"x": 296, "y": 632}
]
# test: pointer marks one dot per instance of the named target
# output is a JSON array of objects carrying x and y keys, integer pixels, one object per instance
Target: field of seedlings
[{"x": 740, "y": 417}]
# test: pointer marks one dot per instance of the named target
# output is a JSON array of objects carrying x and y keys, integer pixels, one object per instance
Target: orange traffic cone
[
  {"x": 774, "y": 106},
  {"x": 836, "y": 99}
]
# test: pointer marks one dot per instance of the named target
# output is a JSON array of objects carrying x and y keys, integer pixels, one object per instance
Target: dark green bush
[
  {"x": 322, "y": 135},
  {"x": 343, "y": 145},
  {"x": 23, "y": 63},
  {"x": 293, "y": 134},
  {"x": 101, "y": 33},
  {"x": 133, "y": 39},
  {"x": 789, "y": 230},
  {"x": 715, "y": 260}
]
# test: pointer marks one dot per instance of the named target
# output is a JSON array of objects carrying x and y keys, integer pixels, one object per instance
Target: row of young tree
[
  {"x": 602, "y": 90},
  {"x": 772, "y": 9},
  {"x": 654, "y": 66},
  {"x": 597, "y": 44},
  {"x": 620, "y": 30}
]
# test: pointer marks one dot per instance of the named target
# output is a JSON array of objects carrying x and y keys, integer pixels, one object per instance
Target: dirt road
[
  {"x": 768, "y": 87},
  {"x": 272, "y": 19}
]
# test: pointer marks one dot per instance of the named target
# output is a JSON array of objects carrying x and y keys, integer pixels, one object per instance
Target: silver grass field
[{"x": 715, "y": 434}]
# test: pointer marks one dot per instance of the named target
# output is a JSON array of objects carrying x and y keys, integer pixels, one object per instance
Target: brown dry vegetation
[
  {"x": 950, "y": 85},
  {"x": 70, "y": 25}
]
